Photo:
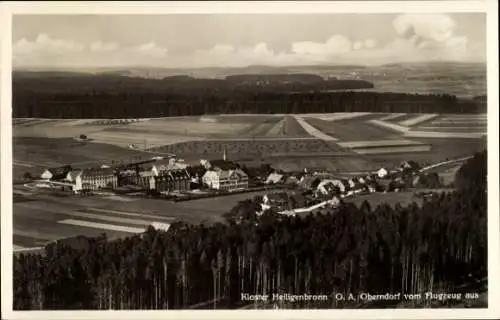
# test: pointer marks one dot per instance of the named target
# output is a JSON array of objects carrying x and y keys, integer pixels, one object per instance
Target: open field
[
  {"x": 41, "y": 218},
  {"x": 34, "y": 154},
  {"x": 445, "y": 126},
  {"x": 341, "y": 163},
  {"x": 163, "y": 131},
  {"x": 276, "y": 127},
  {"x": 441, "y": 150},
  {"x": 238, "y": 149},
  {"x": 361, "y": 140},
  {"x": 352, "y": 130}
]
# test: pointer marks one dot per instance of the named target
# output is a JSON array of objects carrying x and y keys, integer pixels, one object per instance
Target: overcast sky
[{"x": 242, "y": 40}]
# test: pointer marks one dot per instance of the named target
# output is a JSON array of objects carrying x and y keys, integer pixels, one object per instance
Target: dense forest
[
  {"x": 438, "y": 246},
  {"x": 106, "y": 96}
]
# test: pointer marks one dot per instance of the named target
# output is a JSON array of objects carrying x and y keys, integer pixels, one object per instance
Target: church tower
[{"x": 224, "y": 157}]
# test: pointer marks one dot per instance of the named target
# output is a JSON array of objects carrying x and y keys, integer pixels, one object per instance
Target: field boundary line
[
  {"x": 86, "y": 215},
  {"x": 128, "y": 213},
  {"x": 432, "y": 134},
  {"x": 417, "y": 120},
  {"x": 435, "y": 165},
  {"x": 103, "y": 226},
  {"x": 390, "y": 126},
  {"x": 313, "y": 131}
]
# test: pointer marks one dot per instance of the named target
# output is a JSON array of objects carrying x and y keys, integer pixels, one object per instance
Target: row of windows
[
  {"x": 232, "y": 182},
  {"x": 182, "y": 188},
  {"x": 233, "y": 187}
]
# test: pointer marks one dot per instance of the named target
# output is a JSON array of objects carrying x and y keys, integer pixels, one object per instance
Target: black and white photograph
[{"x": 281, "y": 160}]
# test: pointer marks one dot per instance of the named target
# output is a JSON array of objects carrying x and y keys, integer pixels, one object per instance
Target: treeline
[
  {"x": 96, "y": 103},
  {"x": 404, "y": 249},
  {"x": 109, "y": 83}
]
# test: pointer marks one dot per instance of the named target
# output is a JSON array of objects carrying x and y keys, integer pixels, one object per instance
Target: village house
[
  {"x": 291, "y": 180},
  {"x": 276, "y": 201},
  {"x": 382, "y": 173},
  {"x": 355, "y": 187},
  {"x": 409, "y": 167},
  {"x": 330, "y": 187},
  {"x": 92, "y": 179},
  {"x": 309, "y": 182},
  {"x": 275, "y": 178},
  {"x": 372, "y": 186}
]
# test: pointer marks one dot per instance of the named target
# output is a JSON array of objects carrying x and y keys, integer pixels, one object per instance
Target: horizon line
[{"x": 49, "y": 68}]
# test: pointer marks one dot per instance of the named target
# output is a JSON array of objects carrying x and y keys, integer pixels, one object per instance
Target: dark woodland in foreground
[{"x": 438, "y": 247}]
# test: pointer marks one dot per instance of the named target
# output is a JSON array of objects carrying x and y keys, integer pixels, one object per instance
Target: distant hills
[
  {"x": 112, "y": 81},
  {"x": 460, "y": 79}
]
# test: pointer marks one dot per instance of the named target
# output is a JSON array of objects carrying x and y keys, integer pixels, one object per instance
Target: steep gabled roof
[
  {"x": 223, "y": 164},
  {"x": 174, "y": 174},
  {"x": 98, "y": 172}
]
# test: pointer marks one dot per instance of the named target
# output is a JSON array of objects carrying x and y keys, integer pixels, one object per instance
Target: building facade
[
  {"x": 225, "y": 180},
  {"x": 177, "y": 180},
  {"x": 161, "y": 171},
  {"x": 93, "y": 179}
]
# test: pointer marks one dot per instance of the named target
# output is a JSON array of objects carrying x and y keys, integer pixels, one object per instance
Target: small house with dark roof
[
  {"x": 330, "y": 187},
  {"x": 410, "y": 166},
  {"x": 373, "y": 186},
  {"x": 279, "y": 201},
  {"x": 221, "y": 164},
  {"x": 309, "y": 182}
]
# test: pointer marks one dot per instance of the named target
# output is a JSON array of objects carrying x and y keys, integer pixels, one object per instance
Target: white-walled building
[
  {"x": 92, "y": 179},
  {"x": 227, "y": 180}
]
